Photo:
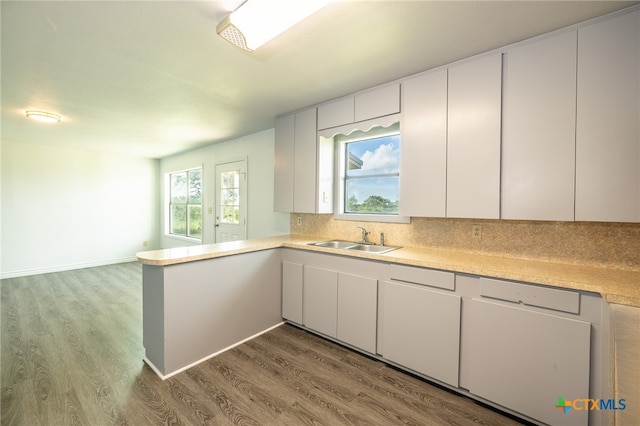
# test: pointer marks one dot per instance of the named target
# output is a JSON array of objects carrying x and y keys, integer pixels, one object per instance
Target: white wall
[
  {"x": 67, "y": 208},
  {"x": 258, "y": 149}
]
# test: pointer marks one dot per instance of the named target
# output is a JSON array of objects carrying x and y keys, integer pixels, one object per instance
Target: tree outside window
[{"x": 185, "y": 205}]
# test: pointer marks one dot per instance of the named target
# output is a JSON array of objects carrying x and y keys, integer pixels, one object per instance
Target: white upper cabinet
[
  {"x": 539, "y": 116},
  {"x": 608, "y": 133},
  {"x": 373, "y": 103},
  {"x": 336, "y": 113},
  {"x": 473, "y": 138},
  {"x": 306, "y": 163},
  {"x": 378, "y": 102},
  {"x": 298, "y": 157},
  {"x": 423, "y": 156},
  {"x": 284, "y": 163}
]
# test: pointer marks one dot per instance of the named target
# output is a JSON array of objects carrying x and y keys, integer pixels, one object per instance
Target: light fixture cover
[
  {"x": 44, "y": 116},
  {"x": 256, "y": 22}
]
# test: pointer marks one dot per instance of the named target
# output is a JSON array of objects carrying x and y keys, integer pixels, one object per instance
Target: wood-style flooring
[{"x": 71, "y": 354}]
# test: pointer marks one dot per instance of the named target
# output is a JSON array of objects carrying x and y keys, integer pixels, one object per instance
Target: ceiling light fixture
[
  {"x": 44, "y": 116},
  {"x": 256, "y": 22}
]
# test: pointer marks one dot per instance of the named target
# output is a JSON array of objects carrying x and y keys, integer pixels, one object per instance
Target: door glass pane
[{"x": 230, "y": 197}]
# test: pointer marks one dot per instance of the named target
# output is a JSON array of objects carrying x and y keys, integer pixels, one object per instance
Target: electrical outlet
[
  {"x": 476, "y": 232},
  {"x": 299, "y": 220},
  {"x": 145, "y": 243}
]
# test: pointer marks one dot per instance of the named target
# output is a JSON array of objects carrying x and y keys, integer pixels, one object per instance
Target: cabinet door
[
  {"x": 305, "y": 160},
  {"x": 378, "y": 102},
  {"x": 608, "y": 134},
  {"x": 423, "y": 157},
  {"x": 473, "y": 138},
  {"x": 292, "y": 285},
  {"x": 284, "y": 163},
  {"x": 538, "y": 146},
  {"x": 320, "y": 300},
  {"x": 526, "y": 360},
  {"x": 357, "y": 311},
  {"x": 421, "y": 330},
  {"x": 336, "y": 113}
]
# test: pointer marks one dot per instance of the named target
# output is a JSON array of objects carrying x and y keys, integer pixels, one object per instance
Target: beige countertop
[{"x": 620, "y": 286}]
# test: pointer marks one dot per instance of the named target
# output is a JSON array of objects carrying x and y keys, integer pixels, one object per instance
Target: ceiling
[{"x": 152, "y": 79}]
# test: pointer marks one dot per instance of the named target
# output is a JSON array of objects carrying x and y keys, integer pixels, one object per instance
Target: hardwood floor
[{"x": 71, "y": 354}]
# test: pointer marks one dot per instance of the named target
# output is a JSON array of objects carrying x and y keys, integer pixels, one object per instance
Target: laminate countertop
[{"x": 616, "y": 285}]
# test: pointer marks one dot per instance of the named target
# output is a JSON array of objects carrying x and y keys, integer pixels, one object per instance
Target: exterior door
[{"x": 231, "y": 201}]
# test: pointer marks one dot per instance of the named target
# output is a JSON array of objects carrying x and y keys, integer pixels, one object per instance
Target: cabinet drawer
[
  {"x": 429, "y": 277},
  {"x": 532, "y": 295}
]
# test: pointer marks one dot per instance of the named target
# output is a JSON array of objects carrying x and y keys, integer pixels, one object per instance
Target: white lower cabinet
[
  {"x": 518, "y": 346},
  {"x": 341, "y": 305},
  {"x": 320, "y": 302},
  {"x": 357, "y": 311},
  {"x": 526, "y": 360},
  {"x": 421, "y": 329},
  {"x": 327, "y": 294},
  {"x": 292, "y": 279}
]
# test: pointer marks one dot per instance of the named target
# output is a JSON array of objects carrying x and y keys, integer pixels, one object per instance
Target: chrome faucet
[{"x": 364, "y": 236}]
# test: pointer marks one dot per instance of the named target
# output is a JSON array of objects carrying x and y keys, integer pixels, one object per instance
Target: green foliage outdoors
[{"x": 373, "y": 204}]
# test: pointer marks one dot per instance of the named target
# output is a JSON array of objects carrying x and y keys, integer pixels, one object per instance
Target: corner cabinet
[
  {"x": 607, "y": 133},
  {"x": 328, "y": 295},
  {"x": 298, "y": 159},
  {"x": 292, "y": 279}
]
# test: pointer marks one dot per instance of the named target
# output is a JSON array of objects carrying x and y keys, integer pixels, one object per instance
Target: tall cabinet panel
[
  {"x": 284, "y": 163},
  {"x": 473, "y": 140},
  {"x": 423, "y": 157},
  {"x": 299, "y": 156},
  {"x": 539, "y": 113},
  {"x": 608, "y": 133},
  {"x": 306, "y": 163}
]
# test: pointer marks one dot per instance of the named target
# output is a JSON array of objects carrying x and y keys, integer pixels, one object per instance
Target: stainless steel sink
[
  {"x": 372, "y": 248},
  {"x": 353, "y": 246},
  {"x": 337, "y": 244}
]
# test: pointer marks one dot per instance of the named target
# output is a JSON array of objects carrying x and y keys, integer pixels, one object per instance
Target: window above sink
[{"x": 367, "y": 158}]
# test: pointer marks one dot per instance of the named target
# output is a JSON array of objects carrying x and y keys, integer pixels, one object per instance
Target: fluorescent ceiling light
[
  {"x": 256, "y": 22},
  {"x": 44, "y": 116}
]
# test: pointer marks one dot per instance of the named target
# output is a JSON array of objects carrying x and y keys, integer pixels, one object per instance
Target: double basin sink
[{"x": 353, "y": 246}]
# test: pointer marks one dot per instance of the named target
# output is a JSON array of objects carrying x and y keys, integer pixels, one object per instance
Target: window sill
[
  {"x": 386, "y": 218},
  {"x": 182, "y": 238}
]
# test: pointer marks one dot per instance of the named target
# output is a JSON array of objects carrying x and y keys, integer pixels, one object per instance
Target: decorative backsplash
[{"x": 594, "y": 243}]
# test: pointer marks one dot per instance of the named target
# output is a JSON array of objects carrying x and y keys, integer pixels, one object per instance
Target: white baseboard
[
  {"x": 180, "y": 370},
  {"x": 37, "y": 271}
]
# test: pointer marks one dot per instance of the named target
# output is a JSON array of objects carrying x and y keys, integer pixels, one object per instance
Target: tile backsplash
[{"x": 606, "y": 244}]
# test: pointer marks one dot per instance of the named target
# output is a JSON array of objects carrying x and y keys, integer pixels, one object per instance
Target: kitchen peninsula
[{"x": 199, "y": 301}]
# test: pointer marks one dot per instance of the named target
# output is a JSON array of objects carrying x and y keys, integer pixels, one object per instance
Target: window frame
[
  {"x": 340, "y": 136},
  {"x": 188, "y": 206}
]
